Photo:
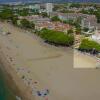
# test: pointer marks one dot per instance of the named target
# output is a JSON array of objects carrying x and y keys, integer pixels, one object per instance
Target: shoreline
[
  {"x": 8, "y": 84},
  {"x": 20, "y": 87},
  {"x": 41, "y": 63}
]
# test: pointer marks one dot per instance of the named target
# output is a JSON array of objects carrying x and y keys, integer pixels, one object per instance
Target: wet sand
[{"x": 51, "y": 67}]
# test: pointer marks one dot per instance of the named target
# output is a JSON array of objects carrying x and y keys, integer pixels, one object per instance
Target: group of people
[{"x": 33, "y": 84}]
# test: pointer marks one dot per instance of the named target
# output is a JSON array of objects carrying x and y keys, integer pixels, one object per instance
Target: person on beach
[{"x": 39, "y": 93}]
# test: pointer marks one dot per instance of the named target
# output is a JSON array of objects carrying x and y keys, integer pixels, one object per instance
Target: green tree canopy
[
  {"x": 26, "y": 24},
  {"x": 89, "y": 45},
  {"x": 57, "y": 38},
  {"x": 55, "y": 18},
  {"x": 6, "y": 14}
]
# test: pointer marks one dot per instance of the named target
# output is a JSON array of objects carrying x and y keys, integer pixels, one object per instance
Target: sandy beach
[
  {"x": 83, "y": 60},
  {"x": 13, "y": 81},
  {"x": 47, "y": 72}
]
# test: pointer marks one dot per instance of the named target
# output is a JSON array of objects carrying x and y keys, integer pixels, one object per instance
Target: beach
[
  {"x": 44, "y": 72},
  {"x": 85, "y": 60},
  {"x": 13, "y": 81}
]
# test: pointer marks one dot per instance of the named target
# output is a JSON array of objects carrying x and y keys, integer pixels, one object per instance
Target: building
[
  {"x": 35, "y": 18},
  {"x": 96, "y": 36},
  {"x": 49, "y": 8},
  {"x": 88, "y": 19},
  {"x": 57, "y": 26}
]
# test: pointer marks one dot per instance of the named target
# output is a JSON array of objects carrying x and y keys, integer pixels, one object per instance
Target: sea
[{"x": 5, "y": 91}]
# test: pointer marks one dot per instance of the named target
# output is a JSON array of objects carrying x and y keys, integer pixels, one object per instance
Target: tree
[
  {"x": 77, "y": 5},
  {"x": 78, "y": 30},
  {"x": 89, "y": 45},
  {"x": 70, "y": 31},
  {"x": 26, "y": 24},
  {"x": 55, "y": 18},
  {"x": 86, "y": 29},
  {"x": 14, "y": 20},
  {"x": 32, "y": 25},
  {"x": 6, "y": 14},
  {"x": 44, "y": 14},
  {"x": 23, "y": 12},
  {"x": 57, "y": 38}
]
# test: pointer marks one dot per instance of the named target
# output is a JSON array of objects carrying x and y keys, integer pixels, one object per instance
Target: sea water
[{"x": 5, "y": 91}]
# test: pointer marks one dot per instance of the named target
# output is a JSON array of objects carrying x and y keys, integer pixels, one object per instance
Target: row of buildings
[
  {"x": 41, "y": 23},
  {"x": 87, "y": 20},
  {"x": 46, "y": 7}
]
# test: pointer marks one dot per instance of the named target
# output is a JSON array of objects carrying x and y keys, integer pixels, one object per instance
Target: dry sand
[
  {"x": 52, "y": 68},
  {"x": 83, "y": 60}
]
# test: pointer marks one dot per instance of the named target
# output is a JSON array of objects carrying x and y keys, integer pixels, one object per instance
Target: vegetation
[
  {"x": 78, "y": 30},
  {"x": 70, "y": 31},
  {"x": 27, "y": 12},
  {"x": 67, "y": 11},
  {"x": 77, "y": 5},
  {"x": 44, "y": 14},
  {"x": 56, "y": 38},
  {"x": 24, "y": 12},
  {"x": 89, "y": 46},
  {"x": 75, "y": 23},
  {"x": 26, "y": 24},
  {"x": 14, "y": 20},
  {"x": 6, "y": 14},
  {"x": 55, "y": 18},
  {"x": 86, "y": 29}
]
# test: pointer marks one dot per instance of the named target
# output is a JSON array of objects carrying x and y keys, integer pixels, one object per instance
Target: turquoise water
[{"x": 5, "y": 92}]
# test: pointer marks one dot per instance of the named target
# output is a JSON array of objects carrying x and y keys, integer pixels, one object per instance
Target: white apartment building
[{"x": 49, "y": 8}]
